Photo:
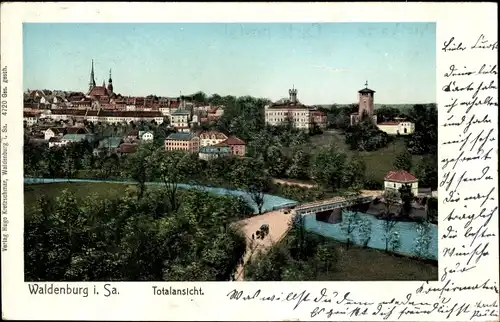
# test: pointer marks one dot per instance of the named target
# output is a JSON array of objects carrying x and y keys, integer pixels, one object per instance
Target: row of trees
[{"x": 131, "y": 239}]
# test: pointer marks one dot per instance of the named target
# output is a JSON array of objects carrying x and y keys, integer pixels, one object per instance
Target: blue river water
[{"x": 407, "y": 230}]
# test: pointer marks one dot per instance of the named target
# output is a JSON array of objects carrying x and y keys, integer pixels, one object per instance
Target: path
[{"x": 278, "y": 222}]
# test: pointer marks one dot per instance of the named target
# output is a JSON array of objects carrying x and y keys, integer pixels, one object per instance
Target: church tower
[
  {"x": 110, "y": 84},
  {"x": 92, "y": 78}
]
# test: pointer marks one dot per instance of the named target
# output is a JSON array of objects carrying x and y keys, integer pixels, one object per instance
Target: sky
[{"x": 326, "y": 62}]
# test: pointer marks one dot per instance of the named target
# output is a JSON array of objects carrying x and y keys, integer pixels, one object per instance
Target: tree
[
  {"x": 403, "y": 161},
  {"x": 427, "y": 172},
  {"x": 365, "y": 231},
  {"x": 350, "y": 222},
  {"x": 249, "y": 175},
  {"x": 423, "y": 239},
  {"x": 392, "y": 203},
  {"x": 328, "y": 168},
  {"x": 68, "y": 166},
  {"x": 175, "y": 167},
  {"x": 354, "y": 174},
  {"x": 327, "y": 256},
  {"x": 276, "y": 162},
  {"x": 406, "y": 197},
  {"x": 141, "y": 166},
  {"x": 299, "y": 165},
  {"x": 424, "y": 139}
]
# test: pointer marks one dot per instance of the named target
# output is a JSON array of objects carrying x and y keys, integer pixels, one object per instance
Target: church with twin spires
[{"x": 101, "y": 94}]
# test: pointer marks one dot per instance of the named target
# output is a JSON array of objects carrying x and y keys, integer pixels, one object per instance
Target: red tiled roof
[
  {"x": 98, "y": 91},
  {"x": 221, "y": 144},
  {"x": 133, "y": 133},
  {"x": 400, "y": 176},
  {"x": 233, "y": 140}
]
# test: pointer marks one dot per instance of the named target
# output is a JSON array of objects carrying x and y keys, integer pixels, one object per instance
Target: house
[
  {"x": 132, "y": 135},
  {"x": 182, "y": 141},
  {"x": 397, "y": 127},
  {"x": 211, "y": 138},
  {"x": 236, "y": 145},
  {"x": 54, "y": 132},
  {"x": 319, "y": 118},
  {"x": 31, "y": 118},
  {"x": 76, "y": 138},
  {"x": 215, "y": 113},
  {"x": 146, "y": 135},
  {"x": 60, "y": 131},
  {"x": 126, "y": 148},
  {"x": 179, "y": 119},
  {"x": 108, "y": 145},
  {"x": 214, "y": 151},
  {"x": 394, "y": 180}
]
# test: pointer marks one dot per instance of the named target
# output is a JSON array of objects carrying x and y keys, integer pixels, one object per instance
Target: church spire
[
  {"x": 92, "y": 79},
  {"x": 110, "y": 83}
]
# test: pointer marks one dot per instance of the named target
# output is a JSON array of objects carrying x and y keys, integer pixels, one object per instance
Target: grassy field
[
  {"x": 80, "y": 189},
  {"x": 365, "y": 264},
  {"x": 378, "y": 163}
]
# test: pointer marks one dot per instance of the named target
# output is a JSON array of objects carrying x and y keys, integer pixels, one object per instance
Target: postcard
[{"x": 249, "y": 161}]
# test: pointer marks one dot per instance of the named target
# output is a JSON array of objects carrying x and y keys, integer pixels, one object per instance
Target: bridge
[{"x": 331, "y": 204}]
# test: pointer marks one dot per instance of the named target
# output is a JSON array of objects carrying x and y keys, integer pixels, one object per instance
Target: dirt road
[{"x": 278, "y": 223}]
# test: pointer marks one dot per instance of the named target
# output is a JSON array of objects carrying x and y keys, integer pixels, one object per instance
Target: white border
[{"x": 464, "y": 21}]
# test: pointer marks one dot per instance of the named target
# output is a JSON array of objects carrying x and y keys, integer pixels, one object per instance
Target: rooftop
[
  {"x": 215, "y": 149},
  {"x": 181, "y": 136},
  {"x": 400, "y": 176},
  {"x": 366, "y": 90},
  {"x": 233, "y": 140}
]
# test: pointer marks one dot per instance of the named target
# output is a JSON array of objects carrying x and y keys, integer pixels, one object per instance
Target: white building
[
  {"x": 289, "y": 109},
  {"x": 146, "y": 135},
  {"x": 179, "y": 119},
  {"x": 397, "y": 127},
  {"x": 394, "y": 180}
]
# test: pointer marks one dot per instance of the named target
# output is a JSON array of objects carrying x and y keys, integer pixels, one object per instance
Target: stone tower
[{"x": 365, "y": 101}]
